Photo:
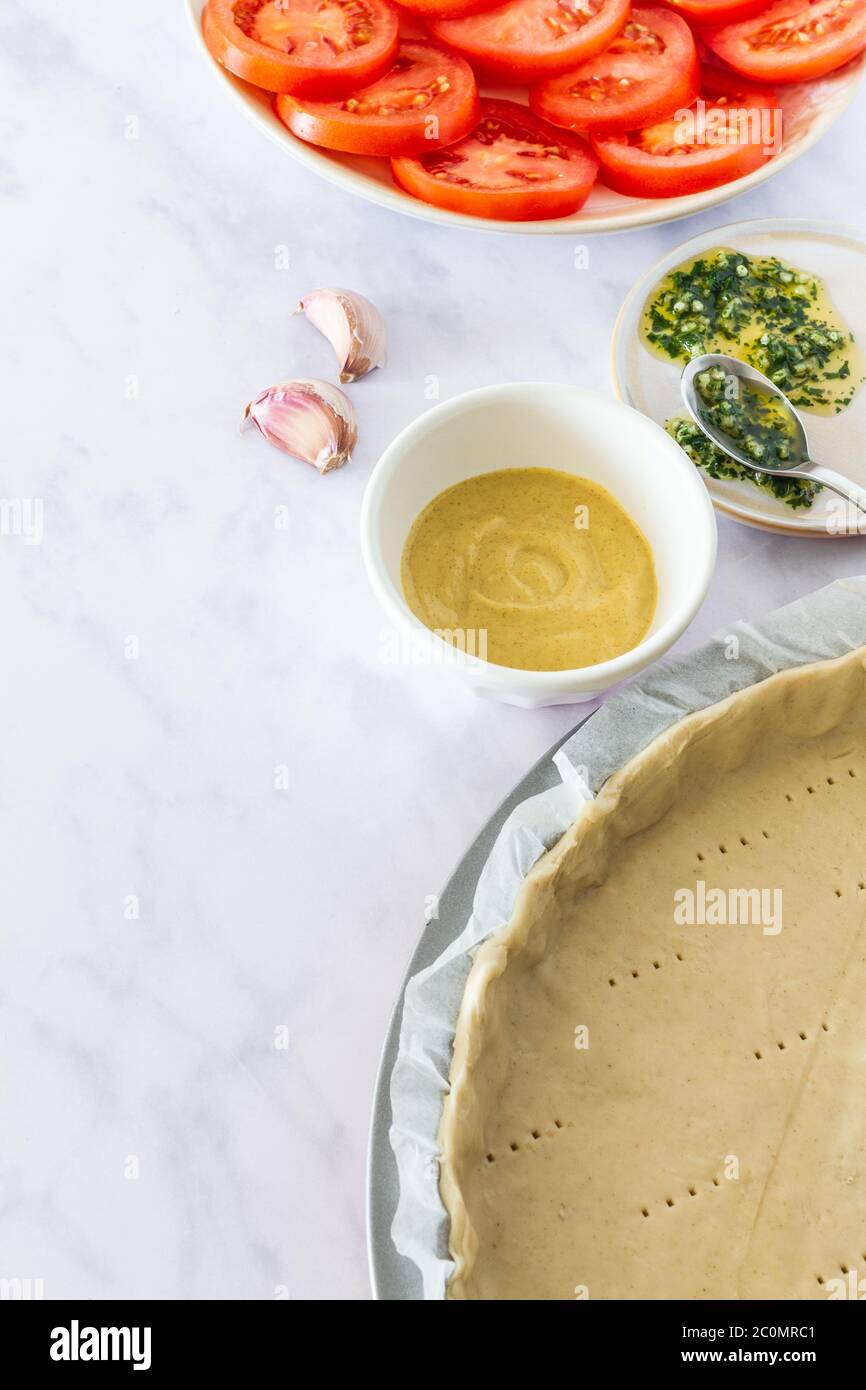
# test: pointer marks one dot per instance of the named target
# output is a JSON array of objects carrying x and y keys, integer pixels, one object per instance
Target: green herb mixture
[{"x": 766, "y": 313}]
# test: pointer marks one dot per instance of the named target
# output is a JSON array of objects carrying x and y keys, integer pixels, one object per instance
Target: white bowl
[
  {"x": 809, "y": 110},
  {"x": 542, "y": 425}
]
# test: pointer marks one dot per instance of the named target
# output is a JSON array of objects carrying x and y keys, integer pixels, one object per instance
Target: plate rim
[
  {"x": 746, "y": 516},
  {"x": 649, "y": 212},
  {"x": 389, "y": 1269}
]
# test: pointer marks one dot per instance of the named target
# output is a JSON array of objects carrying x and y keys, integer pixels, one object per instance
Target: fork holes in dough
[
  {"x": 535, "y": 1134},
  {"x": 782, "y": 1045},
  {"x": 656, "y": 965},
  {"x": 670, "y": 1201}
]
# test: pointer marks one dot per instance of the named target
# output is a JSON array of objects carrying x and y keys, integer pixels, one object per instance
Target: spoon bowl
[
  {"x": 747, "y": 385},
  {"x": 776, "y": 442}
]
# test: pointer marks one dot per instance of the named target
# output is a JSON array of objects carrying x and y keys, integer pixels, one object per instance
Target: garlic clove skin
[
  {"x": 352, "y": 325},
  {"x": 309, "y": 419}
]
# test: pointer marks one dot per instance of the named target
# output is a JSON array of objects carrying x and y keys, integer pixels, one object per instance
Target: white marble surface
[{"x": 156, "y": 1142}]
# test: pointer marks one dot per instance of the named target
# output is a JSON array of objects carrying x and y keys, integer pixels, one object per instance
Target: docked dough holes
[{"x": 706, "y": 1123}]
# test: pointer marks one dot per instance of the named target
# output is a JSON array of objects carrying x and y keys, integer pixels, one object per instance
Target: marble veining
[{"x": 222, "y": 811}]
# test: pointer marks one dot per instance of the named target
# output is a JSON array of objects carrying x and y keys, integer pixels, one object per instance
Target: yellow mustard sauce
[{"x": 531, "y": 568}]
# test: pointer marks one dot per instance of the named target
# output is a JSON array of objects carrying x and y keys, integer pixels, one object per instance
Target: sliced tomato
[
  {"x": 727, "y": 133},
  {"x": 428, "y": 99},
  {"x": 649, "y": 71},
  {"x": 702, "y": 12},
  {"x": 323, "y": 48},
  {"x": 793, "y": 40},
  {"x": 525, "y": 40},
  {"x": 447, "y": 9},
  {"x": 513, "y": 166}
]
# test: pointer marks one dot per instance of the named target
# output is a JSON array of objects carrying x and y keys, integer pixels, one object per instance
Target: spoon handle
[{"x": 837, "y": 482}]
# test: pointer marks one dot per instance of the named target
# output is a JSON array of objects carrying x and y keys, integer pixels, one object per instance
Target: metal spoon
[{"x": 799, "y": 465}]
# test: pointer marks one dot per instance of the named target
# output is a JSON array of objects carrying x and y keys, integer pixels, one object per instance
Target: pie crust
[{"x": 642, "y": 1109}]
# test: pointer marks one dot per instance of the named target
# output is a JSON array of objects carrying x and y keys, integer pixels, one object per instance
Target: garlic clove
[
  {"x": 311, "y": 420},
  {"x": 352, "y": 325}
]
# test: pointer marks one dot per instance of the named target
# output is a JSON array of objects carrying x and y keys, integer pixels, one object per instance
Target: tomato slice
[
  {"x": 525, "y": 40},
  {"x": 716, "y": 11},
  {"x": 513, "y": 166},
  {"x": 793, "y": 40},
  {"x": 726, "y": 134},
  {"x": 649, "y": 71},
  {"x": 428, "y": 99},
  {"x": 323, "y": 48},
  {"x": 447, "y": 9}
]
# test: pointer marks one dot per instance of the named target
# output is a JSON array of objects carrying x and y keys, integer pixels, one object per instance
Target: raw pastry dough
[{"x": 710, "y": 1141}]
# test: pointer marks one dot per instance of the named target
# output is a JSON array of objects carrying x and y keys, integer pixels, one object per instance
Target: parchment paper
[{"x": 824, "y": 624}]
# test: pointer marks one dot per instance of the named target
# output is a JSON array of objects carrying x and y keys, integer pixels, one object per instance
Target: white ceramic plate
[
  {"x": 838, "y": 256},
  {"x": 809, "y": 112}
]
